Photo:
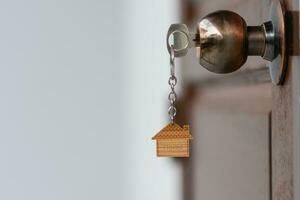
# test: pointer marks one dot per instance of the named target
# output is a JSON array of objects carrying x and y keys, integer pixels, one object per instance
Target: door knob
[{"x": 223, "y": 41}]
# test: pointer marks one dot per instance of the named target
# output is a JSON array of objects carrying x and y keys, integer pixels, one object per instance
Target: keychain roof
[{"x": 173, "y": 130}]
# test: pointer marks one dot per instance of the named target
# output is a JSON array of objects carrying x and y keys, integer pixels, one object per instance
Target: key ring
[{"x": 178, "y": 34}]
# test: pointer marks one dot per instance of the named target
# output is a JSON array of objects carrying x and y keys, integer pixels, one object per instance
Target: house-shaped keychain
[{"x": 173, "y": 141}]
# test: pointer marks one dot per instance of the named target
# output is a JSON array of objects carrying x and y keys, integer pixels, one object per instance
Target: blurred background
[{"x": 84, "y": 88}]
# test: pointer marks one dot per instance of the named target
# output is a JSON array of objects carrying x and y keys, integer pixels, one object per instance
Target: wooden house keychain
[{"x": 173, "y": 140}]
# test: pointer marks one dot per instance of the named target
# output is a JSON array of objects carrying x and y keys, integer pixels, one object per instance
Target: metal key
[{"x": 181, "y": 39}]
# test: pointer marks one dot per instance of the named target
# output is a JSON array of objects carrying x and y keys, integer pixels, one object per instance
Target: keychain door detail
[{"x": 173, "y": 140}]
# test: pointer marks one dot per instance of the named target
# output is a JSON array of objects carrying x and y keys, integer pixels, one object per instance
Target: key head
[{"x": 178, "y": 36}]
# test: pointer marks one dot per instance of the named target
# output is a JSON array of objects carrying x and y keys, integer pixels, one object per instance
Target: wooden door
[{"x": 246, "y": 131}]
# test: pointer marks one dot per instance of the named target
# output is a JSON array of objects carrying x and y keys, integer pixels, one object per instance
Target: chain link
[{"x": 172, "y": 82}]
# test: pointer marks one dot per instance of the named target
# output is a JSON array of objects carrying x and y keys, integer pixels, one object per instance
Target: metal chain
[{"x": 172, "y": 82}]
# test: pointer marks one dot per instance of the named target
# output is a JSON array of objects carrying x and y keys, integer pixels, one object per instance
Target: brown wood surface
[
  {"x": 283, "y": 104},
  {"x": 211, "y": 92},
  {"x": 230, "y": 151}
]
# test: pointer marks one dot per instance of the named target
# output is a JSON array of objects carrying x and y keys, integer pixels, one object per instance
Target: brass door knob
[{"x": 224, "y": 41}]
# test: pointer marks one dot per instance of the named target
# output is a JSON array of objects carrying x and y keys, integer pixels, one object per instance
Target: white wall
[
  {"x": 83, "y": 87},
  {"x": 146, "y": 73}
]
